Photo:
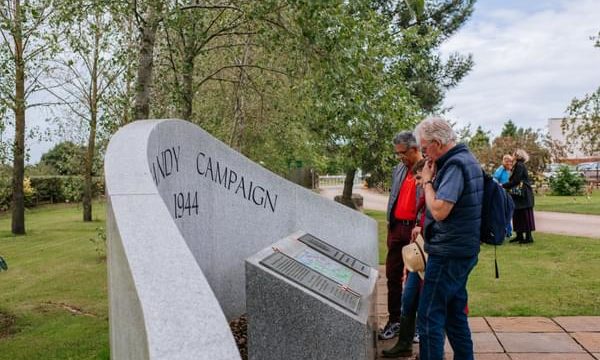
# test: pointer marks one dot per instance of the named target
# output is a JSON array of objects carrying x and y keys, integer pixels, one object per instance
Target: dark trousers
[
  {"x": 398, "y": 237},
  {"x": 442, "y": 308}
]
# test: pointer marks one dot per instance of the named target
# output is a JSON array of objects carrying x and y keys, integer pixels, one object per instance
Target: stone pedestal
[{"x": 308, "y": 300}]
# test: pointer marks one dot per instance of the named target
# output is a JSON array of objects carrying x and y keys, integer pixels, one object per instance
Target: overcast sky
[{"x": 531, "y": 59}]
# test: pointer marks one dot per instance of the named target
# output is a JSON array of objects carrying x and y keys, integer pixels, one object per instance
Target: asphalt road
[{"x": 547, "y": 222}]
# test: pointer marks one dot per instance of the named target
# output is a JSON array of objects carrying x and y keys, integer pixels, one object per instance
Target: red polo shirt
[{"x": 406, "y": 205}]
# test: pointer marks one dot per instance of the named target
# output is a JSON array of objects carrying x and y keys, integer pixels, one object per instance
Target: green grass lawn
[
  {"x": 557, "y": 275},
  {"x": 54, "y": 291},
  {"x": 569, "y": 204},
  {"x": 53, "y": 298}
]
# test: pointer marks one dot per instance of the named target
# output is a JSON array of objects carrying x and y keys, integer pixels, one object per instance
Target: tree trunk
[
  {"x": 146, "y": 62},
  {"x": 18, "y": 198},
  {"x": 188, "y": 84},
  {"x": 89, "y": 158},
  {"x": 237, "y": 131},
  {"x": 348, "y": 185}
]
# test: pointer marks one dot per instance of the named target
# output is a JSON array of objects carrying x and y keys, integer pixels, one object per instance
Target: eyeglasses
[
  {"x": 425, "y": 146},
  {"x": 402, "y": 153}
]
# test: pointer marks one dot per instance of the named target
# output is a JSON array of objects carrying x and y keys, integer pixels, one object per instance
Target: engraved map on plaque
[
  {"x": 325, "y": 265},
  {"x": 312, "y": 280},
  {"x": 336, "y": 254}
]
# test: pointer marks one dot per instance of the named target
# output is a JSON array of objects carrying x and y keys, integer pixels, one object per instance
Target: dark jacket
[
  {"x": 458, "y": 235},
  {"x": 519, "y": 174},
  {"x": 398, "y": 175}
]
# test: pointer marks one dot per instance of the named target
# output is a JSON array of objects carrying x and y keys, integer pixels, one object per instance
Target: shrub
[
  {"x": 48, "y": 189},
  {"x": 566, "y": 183}
]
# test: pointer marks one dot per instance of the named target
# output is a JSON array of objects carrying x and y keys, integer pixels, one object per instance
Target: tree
[
  {"x": 26, "y": 44},
  {"x": 377, "y": 70},
  {"x": 582, "y": 125},
  {"x": 423, "y": 26},
  {"x": 530, "y": 140},
  {"x": 509, "y": 129},
  {"x": 90, "y": 66},
  {"x": 231, "y": 68},
  {"x": 148, "y": 15},
  {"x": 65, "y": 158},
  {"x": 481, "y": 139}
]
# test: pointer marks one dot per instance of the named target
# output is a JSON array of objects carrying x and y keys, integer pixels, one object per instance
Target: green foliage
[
  {"x": 566, "y": 183},
  {"x": 481, "y": 140},
  {"x": 509, "y": 129},
  {"x": 49, "y": 189},
  {"x": 29, "y": 193},
  {"x": 99, "y": 242},
  {"x": 65, "y": 158},
  {"x": 532, "y": 141},
  {"x": 582, "y": 126}
]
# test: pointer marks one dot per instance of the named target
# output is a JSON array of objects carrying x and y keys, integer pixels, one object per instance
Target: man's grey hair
[
  {"x": 435, "y": 128},
  {"x": 406, "y": 138}
]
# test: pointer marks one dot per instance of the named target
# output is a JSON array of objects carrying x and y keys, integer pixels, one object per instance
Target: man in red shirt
[{"x": 401, "y": 216}]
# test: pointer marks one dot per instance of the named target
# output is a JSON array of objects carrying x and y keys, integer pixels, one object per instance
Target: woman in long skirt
[{"x": 519, "y": 187}]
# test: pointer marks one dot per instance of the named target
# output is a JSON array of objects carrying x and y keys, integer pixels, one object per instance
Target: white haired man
[{"x": 453, "y": 184}]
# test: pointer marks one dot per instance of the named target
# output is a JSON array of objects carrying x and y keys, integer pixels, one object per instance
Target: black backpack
[{"x": 496, "y": 213}]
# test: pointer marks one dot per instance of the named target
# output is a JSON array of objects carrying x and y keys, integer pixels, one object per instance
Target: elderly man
[
  {"x": 401, "y": 216},
  {"x": 453, "y": 184}
]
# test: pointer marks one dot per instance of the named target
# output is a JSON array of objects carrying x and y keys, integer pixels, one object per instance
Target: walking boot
[
  {"x": 528, "y": 238},
  {"x": 518, "y": 238},
  {"x": 403, "y": 347}
]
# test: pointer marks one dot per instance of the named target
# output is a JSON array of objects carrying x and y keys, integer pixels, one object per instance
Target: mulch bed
[{"x": 239, "y": 329}]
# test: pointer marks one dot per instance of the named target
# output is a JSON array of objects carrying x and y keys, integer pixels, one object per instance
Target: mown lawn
[
  {"x": 570, "y": 204},
  {"x": 53, "y": 297},
  {"x": 557, "y": 275}
]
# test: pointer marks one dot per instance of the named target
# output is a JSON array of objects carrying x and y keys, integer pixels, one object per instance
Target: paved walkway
[
  {"x": 518, "y": 338},
  {"x": 547, "y": 222}
]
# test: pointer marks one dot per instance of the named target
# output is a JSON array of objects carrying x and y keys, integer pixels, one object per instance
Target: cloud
[{"x": 529, "y": 63}]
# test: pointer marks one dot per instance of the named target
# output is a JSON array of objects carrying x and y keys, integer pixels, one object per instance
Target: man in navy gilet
[{"x": 453, "y": 184}]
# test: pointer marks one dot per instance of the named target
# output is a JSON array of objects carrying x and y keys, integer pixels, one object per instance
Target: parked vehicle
[
  {"x": 590, "y": 170},
  {"x": 552, "y": 169}
]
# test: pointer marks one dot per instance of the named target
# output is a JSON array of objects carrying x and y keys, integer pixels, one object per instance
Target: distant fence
[{"x": 338, "y": 180}]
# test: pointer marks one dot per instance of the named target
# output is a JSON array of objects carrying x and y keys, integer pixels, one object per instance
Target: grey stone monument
[
  {"x": 184, "y": 212},
  {"x": 309, "y": 300}
]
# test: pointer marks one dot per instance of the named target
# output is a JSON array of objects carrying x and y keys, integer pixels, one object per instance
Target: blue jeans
[
  {"x": 410, "y": 294},
  {"x": 442, "y": 308},
  {"x": 509, "y": 230}
]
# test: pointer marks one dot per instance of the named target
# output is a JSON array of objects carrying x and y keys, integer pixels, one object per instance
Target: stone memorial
[
  {"x": 309, "y": 300},
  {"x": 183, "y": 213}
]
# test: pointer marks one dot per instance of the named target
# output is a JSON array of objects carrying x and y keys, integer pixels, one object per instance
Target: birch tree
[
  {"x": 87, "y": 69},
  {"x": 26, "y": 44}
]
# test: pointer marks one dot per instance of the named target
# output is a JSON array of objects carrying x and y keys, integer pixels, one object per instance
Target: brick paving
[{"x": 518, "y": 338}]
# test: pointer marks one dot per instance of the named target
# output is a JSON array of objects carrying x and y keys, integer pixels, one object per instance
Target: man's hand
[
  {"x": 428, "y": 171},
  {"x": 414, "y": 233}
]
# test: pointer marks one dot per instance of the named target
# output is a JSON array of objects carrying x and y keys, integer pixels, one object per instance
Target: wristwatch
[{"x": 428, "y": 182}]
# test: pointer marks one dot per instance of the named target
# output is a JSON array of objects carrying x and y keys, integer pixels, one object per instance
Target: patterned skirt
[{"x": 523, "y": 220}]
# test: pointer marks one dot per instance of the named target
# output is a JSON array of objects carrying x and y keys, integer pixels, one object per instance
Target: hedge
[{"x": 49, "y": 189}]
